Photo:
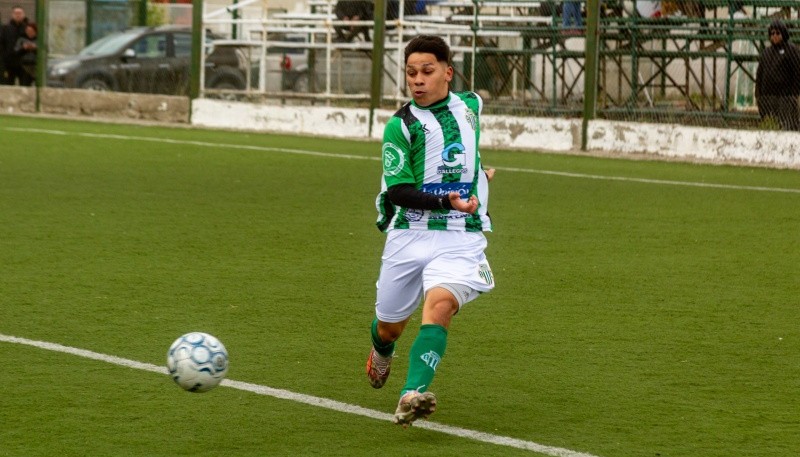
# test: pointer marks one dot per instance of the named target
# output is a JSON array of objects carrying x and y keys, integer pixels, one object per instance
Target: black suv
[{"x": 150, "y": 60}]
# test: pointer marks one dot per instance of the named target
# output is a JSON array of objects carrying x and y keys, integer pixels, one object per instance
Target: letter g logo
[{"x": 453, "y": 155}]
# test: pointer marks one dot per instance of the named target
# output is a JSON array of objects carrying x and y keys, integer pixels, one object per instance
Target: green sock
[
  {"x": 384, "y": 349},
  {"x": 426, "y": 353}
]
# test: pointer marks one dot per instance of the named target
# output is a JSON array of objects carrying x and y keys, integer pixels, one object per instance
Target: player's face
[{"x": 427, "y": 79}]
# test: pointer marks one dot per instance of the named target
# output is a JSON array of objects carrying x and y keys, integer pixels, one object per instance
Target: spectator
[
  {"x": 25, "y": 48},
  {"x": 421, "y": 6},
  {"x": 11, "y": 32},
  {"x": 571, "y": 18},
  {"x": 2, "y": 53},
  {"x": 393, "y": 8},
  {"x": 352, "y": 10},
  {"x": 778, "y": 79}
]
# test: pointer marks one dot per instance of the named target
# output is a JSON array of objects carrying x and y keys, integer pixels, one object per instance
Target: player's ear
[{"x": 448, "y": 73}]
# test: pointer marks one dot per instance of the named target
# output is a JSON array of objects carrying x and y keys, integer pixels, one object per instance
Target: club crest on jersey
[
  {"x": 472, "y": 119},
  {"x": 393, "y": 159}
]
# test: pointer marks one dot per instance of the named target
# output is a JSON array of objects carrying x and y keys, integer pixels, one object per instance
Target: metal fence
[{"x": 689, "y": 62}]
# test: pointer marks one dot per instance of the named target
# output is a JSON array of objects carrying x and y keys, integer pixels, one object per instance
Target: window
[
  {"x": 151, "y": 46},
  {"x": 183, "y": 44}
]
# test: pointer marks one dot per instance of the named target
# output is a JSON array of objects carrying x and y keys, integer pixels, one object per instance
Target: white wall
[{"x": 765, "y": 148}]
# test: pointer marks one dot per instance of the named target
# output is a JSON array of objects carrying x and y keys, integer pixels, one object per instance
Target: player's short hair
[{"x": 431, "y": 44}]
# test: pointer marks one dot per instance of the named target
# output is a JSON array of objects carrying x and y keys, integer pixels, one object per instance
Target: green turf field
[{"x": 632, "y": 317}]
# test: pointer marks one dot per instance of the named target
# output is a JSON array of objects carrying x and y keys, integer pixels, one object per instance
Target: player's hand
[
  {"x": 489, "y": 174},
  {"x": 465, "y": 206}
]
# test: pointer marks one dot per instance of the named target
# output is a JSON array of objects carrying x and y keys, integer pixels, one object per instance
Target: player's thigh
[
  {"x": 400, "y": 279},
  {"x": 460, "y": 259}
]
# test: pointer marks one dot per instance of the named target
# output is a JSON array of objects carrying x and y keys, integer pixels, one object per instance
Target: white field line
[
  {"x": 308, "y": 400},
  {"x": 358, "y": 157}
]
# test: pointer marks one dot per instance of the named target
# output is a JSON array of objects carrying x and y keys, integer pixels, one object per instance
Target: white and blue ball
[{"x": 197, "y": 362}]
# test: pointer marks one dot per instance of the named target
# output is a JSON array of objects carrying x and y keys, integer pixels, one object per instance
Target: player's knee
[
  {"x": 446, "y": 308},
  {"x": 440, "y": 311},
  {"x": 389, "y": 332}
]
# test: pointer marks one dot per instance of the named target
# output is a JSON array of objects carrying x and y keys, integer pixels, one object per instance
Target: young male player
[{"x": 433, "y": 204}]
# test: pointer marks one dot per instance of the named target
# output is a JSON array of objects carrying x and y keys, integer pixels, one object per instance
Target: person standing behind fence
[
  {"x": 352, "y": 10},
  {"x": 571, "y": 17},
  {"x": 2, "y": 53},
  {"x": 778, "y": 79},
  {"x": 11, "y": 32},
  {"x": 25, "y": 48}
]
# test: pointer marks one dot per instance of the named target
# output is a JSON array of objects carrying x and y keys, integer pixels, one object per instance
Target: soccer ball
[{"x": 197, "y": 362}]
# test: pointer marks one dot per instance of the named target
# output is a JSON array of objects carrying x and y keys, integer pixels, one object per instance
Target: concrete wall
[
  {"x": 611, "y": 138},
  {"x": 116, "y": 105},
  {"x": 496, "y": 131},
  {"x": 15, "y": 100},
  {"x": 728, "y": 146},
  {"x": 105, "y": 105}
]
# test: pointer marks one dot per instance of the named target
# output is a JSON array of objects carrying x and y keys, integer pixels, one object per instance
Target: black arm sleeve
[{"x": 408, "y": 196}]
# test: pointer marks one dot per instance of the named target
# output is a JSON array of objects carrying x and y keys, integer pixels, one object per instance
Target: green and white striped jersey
[{"x": 435, "y": 148}]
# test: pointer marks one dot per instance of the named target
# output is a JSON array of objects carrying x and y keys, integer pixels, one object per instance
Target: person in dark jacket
[
  {"x": 2, "y": 53},
  {"x": 778, "y": 79},
  {"x": 12, "y": 32},
  {"x": 26, "y": 51},
  {"x": 352, "y": 10}
]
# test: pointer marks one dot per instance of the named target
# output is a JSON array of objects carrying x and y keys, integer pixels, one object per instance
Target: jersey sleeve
[{"x": 396, "y": 154}]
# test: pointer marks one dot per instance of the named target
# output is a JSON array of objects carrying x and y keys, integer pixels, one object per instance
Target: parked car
[{"x": 150, "y": 60}]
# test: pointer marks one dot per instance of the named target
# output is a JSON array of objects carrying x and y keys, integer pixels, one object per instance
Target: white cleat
[{"x": 414, "y": 405}]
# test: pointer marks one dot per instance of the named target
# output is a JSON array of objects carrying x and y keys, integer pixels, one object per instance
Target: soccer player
[{"x": 433, "y": 206}]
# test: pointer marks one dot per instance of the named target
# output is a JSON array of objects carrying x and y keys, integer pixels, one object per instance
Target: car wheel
[
  {"x": 95, "y": 83},
  {"x": 227, "y": 78},
  {"x": 301, "y": 83}
]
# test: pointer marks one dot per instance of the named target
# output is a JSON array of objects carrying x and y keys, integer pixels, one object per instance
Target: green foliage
[
  {"x": 156, "y": 14},
  {"x": 769, "y": 123},
  {"x": 630, "y": 318}
]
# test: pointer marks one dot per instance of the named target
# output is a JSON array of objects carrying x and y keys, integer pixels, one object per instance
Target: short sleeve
[{"x": 396, "y": 153}]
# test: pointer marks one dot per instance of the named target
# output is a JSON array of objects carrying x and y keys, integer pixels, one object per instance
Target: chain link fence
[{"x": 703, "y": 63}]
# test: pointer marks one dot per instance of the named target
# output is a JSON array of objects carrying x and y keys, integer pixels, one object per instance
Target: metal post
[
  {"x": 726, "y": 102},
  {"x": 142, "y": 12},
  {"x": 378, "y": 38},
  {"x": 41, "y": 51},
  {"x": 591, "y": 66},
  {"x": 89, "y": 21},
  {"x": 197, "y": 49},
  {"x": 235, "y": 27}
]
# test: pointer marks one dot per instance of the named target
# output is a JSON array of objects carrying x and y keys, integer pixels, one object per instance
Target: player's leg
[
  {"x": 398, "y": 296},
  {"x": 426, "y": 352},
  {"x": 456, "y": 276},
  {"x": 379, "y": 361}
]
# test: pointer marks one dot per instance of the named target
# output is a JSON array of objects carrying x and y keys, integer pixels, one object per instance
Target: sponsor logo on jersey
[
  {"x": 442, "y": 189},
  {"x": 443, "y": 170},
  {"x": 452, "y": 215},
  {"x": 453, "y": 155},
  {"x": 414, "y": 215},
  {"x": 393, "y": 159},
  {"x": 455, "y": 160}
]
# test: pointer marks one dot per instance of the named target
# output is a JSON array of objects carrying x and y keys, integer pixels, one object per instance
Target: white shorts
[{"x": 415, "y": 261}]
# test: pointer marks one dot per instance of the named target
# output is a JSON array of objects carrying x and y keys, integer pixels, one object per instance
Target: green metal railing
[{"x": 620, "y": 66}]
